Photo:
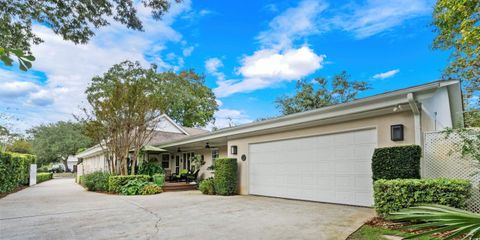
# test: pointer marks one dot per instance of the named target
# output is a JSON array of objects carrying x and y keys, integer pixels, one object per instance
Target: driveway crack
[{"x": 158, "y": 218}]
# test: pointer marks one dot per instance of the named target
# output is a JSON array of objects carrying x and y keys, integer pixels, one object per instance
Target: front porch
[{"x": 179, "y": 186}]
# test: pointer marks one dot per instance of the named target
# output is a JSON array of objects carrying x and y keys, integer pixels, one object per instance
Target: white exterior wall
[{"x": 438, "y": 103}]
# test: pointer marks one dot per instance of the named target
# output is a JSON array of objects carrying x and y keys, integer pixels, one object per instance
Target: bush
[
  {"x": 159, "y": 179},
  {"x": 150, "y": 189},
  {"x": 396, "y": 162},
  {"x": 207, "y": 186},
  {"x": 14, "y": 170},
  {"x": 150, "y": 168},
  {"x": 133, "y": 187},
  {"x": 42, "y": 177},
  {"x": 96, "y": 181},
  {"x": 225, "y": 181},
  {"x": 116, "y": 182},
  {"x": 80, "y": 181},
  {"x": 42, "y": 169},
  {"x": 393, "y": 195}
]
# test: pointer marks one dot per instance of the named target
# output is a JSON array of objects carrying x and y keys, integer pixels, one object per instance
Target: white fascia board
[
  {"x": 174, "y": 124},
  {"x": 95, "y": 150}
]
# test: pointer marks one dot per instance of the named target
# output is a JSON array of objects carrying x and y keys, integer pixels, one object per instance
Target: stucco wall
[
  {"x": 93, "y": 164},
  {"x": 382, "y": 124}
]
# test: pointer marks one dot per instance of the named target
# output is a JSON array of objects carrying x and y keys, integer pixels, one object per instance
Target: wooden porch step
[{"x": 170, "y": 187}]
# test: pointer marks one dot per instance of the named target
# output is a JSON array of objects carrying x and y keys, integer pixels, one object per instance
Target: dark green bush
[
  {"x": 159, "y": 179},
  {"x": 393, "y": 195},
  {"x": 207, "y": 186},
  {"x": 42, "y": 177},
  {"x": 225, "y": 180},
  {"x": 396, "y": 162},
  {"x": 150, "y": 168},
  {"x": 116, "y": 182},
  {"x": 96, "y": 181},
  {"x": 14, "y": 170}
]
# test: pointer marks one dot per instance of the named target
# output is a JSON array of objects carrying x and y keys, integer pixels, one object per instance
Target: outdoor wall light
[
  {"x": 396, "y": 132},
  {"x": 234, "y": 150},
  {"x": 178, "y": 150}
]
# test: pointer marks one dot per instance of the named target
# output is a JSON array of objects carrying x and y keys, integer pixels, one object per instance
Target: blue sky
[{"x": 250, "y": 51}]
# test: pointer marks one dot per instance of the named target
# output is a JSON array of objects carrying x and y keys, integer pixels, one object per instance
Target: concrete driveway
[{"x": 60, "y": 209}]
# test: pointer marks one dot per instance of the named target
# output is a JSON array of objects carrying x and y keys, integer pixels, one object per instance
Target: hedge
[
  {"x": 393, "y": 195},
  {"x": 207, "y": 186},
  {"x": 42, "y": 177},
  {"x": 115, "y": 183},
  {"x": 14, "y": 170},
  {"x": 396, "y": 162},
  {"x": 225, "y": 181},
  {"x": 96, "y": 181}
]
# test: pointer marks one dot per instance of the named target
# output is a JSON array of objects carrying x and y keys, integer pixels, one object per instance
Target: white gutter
[{"x": 416, "y": 118}]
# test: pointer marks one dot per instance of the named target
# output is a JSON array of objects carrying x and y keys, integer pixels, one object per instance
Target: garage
[{"x": 334, "y": 168}]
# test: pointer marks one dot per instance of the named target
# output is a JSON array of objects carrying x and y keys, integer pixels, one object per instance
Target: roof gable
[{"x": 166, "y": 124}]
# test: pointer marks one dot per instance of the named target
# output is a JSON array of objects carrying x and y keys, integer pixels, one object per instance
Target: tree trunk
[{"x": 65, "y": 163}]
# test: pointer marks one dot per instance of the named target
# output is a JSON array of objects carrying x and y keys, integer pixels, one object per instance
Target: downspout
[{"x": 416, "y": 118}]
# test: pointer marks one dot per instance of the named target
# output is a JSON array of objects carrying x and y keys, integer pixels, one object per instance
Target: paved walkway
[{"x": 61, "y": 209}]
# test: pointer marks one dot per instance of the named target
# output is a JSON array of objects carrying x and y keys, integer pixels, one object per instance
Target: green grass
[{"x": 368, "y": 232}]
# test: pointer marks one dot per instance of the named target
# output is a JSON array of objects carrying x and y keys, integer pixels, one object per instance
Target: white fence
[{"x": 441, "y": 160}]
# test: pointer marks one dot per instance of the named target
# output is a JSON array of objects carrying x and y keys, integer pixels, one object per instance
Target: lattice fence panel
[{"x": 441, "y": 160}]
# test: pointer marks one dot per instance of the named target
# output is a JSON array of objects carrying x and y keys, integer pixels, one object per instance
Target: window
[
  {"x": 165, "y": 161},
  {"x": 215, "y": 155}
]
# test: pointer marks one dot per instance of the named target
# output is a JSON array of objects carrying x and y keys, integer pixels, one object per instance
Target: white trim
[
  {"x": 174, "y": 124},
  {"x": 416, "y": 118}
]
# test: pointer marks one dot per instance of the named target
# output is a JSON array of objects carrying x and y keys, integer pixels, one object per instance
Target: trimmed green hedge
[
  {"x": 42, "y": 177},
  {"x": 393, "y": 195},
  {"x": 207, "y": 186},
  {"x": 225, "y": 181},
  {"x": 14, "y": 170},
  {"x": 96, "y": 181},
  {"x": 396, "y": 162},
  {"x": 115, "y": 183}
]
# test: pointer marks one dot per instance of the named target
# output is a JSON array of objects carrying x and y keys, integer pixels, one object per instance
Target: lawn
[{"x": 367, "y": 232}]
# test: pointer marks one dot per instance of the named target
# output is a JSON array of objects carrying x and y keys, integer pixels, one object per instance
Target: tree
[
  {"x": 457, "y": 23},
  {"x": 56, "y": 141},
  {"x": 127, "y": 101},
  {"x": 308, "y": 97},
  {"x": 20, "y": 145},
  {"x": 73, "y": 20}
]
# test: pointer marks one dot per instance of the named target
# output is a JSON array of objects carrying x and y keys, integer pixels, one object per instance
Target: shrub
[
  {"x": 150, "y": 168},
  {"x": 396, "y": 162},
  {"x": 225, "y": 181},
  {"x": 96, "y": 181},
  {"x": 42, "y": 169},
  {"x": 80, "y": 181},
  {"x": 133, "y": 187},
  {"x": 394, "y": 195},
  {"x": 116, "y": 182},
  {"x": 207, "y": 186},
  {"x": 150, "y": 189},
  {"x": 14, "y": 170},
  {"x": 159, "y": 179},
  {"x": 42, "y": 177}
]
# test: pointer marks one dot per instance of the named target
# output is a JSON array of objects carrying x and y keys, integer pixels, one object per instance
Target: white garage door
[{"x": 332, "y": 168}]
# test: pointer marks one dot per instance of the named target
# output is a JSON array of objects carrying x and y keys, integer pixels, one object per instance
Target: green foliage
[
  {"x": 81, "y": 181},
  {"x": 396, "y": 162},
  {"x": 207, "y": 186},
  {"x": 75, "y": 21},
  {"x": 150, "y": 168},
  {"x": 442, "y": 219},
  {"x": 20, "y": 146},
  {"x": 225, "y": 180},
  {"x": 42, "y": 177},
  {"x": 469, "y": 145},
  {"x": 14, "y": 170},
  {"x": 309, "y": 97},
  {"x": 42, "y": 169},
  {"x": 133, "y": 187},
  {"x": 56, "y": 141},
  {"x": 394, "y": 195},
  {"x": 96, "y": 181},
  {"x": 159, "y": 179},
  {"x": 115, "y": 183},
  {"x": 150, "y": 189},
  {"x": 472, "y": 118},
  {"x": 458, "y": 26}
]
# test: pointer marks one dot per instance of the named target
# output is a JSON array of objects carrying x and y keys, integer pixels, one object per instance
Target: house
[
  {"x": 323, "y": 154},
  {"x": 93, "y": 159}
]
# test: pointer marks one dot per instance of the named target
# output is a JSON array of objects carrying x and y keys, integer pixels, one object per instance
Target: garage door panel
[{"x": 331, "y": 168}]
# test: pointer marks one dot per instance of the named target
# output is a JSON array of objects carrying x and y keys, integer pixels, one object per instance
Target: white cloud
[
  {"x": 69, "y": 67},
  {"x": 387, "y": 74},
  {"x": 268, "y": 67},
  {"x": 16, "y": 89},
  {"x": 377, "y": 16},
  {"x": 213, "y": 64},
  {"x": 188, "y": 51},
  {"x": 229, "y": 117},
  {"x": 292, "y": 24}
]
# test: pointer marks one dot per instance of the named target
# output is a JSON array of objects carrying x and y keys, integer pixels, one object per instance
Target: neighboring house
[
  {"x": 71, "y": 162},
  {"x": 323, "y": 154},
  {"x": 93, "y": 159}
]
